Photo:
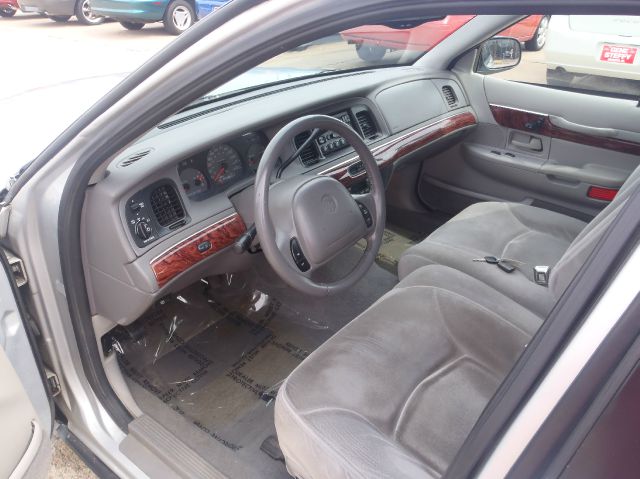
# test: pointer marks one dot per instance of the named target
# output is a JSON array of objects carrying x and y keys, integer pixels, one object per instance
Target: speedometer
[{"x": 224, "y": 165}]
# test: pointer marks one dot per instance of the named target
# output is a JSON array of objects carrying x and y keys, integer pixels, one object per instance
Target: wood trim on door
[{"x": 539, "y": 123}]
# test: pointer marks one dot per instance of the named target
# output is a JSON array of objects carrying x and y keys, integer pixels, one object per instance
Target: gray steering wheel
[{"x": 306, "y": 221}]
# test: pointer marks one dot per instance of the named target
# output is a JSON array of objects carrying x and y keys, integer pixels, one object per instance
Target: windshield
[{"x": 360, "y": 48}]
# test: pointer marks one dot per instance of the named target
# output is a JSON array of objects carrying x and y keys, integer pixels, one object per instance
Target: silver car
[
  {"x": 262, "y": 256},
  {"x": 62, "y": 10}
]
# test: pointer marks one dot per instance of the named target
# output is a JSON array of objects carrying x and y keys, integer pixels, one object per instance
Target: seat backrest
[{"x": 584, "y": 244}]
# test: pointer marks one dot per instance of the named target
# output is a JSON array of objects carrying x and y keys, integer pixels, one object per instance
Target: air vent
[
  {"x": 449, "y": 95},
  {"x": 133, "y": 158},
  {"x": 166, "y": 205},
  {"x": 367, "y": 125},
  {"x": 356, "y": 168},
  {"x": 309, "y": 155}
]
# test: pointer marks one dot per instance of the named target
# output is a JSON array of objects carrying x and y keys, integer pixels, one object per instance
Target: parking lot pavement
[
  {"x": 66, "y": 464},
  {"x": 39, "y": 52}
]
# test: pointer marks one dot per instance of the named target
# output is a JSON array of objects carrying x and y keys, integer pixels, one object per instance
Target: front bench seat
[
  {"x": 397, "y": 390},
  {"x": 530, "y": 235}
]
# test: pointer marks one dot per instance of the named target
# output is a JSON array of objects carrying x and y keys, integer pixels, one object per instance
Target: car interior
[{"x": 332, "y": 274}]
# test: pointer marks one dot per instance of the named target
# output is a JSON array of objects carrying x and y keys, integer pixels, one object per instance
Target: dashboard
[
  {"x": 168, "y": 208},
  {"x": 159, "y": 209}
]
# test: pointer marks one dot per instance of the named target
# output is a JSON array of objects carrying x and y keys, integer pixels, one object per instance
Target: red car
[
  {"x": 8, "y": 8},
  {"x": 374, "y": 41}
]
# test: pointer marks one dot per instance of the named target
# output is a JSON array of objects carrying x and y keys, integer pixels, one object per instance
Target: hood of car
[{"x": 31, "y": 120}]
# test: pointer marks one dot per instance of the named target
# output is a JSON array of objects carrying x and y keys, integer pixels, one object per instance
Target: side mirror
[{"x": 499, "y": 54}]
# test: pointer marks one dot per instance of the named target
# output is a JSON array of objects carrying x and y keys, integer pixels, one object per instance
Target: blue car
[
  {"x": 177, "y": 15},
  {"x": 205, "y": 7}
]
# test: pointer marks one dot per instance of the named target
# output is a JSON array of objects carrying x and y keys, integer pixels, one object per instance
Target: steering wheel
[{"x": 307, "y": 220}]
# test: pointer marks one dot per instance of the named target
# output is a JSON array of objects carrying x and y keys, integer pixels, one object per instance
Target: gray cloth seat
[
  {"x": 529, "y": 235},
  {"x": 397, "y": 390}
]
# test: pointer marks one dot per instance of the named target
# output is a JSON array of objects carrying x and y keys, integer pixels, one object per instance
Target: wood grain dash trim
[
  {"x": 185, "y": 254},
  {"x": 395, "y": 149},
  {"x": 539, "y": 124}
]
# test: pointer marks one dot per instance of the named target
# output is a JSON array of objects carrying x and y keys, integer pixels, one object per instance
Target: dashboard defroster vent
[
  {"x": 133, "y": 158},
  {"x": 449, "y": 95},
  {"x": 309, "y": 156},
  {"x": 367, "y": 125},
  {"x": 166, "y": 205}
]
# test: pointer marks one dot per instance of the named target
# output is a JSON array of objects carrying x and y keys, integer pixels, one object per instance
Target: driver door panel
[
  {"x": 25, "y": 407},
  {"x": 21, "y": 432},
  {"x": 556, "y": 149}
]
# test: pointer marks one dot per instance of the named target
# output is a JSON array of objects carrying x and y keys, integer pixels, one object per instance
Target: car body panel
[
  {"x": 425, "y": 37},
  {"x": 586, "y": 46},
  {"x": 524, "y": 30},
  {"x": 12, "y": 4},
  {"x": 143, "y": 11},
  {"x": 421, "y": 38},
  {"x": 49, "y": 7},
  {"x": 205, "y": 7}
]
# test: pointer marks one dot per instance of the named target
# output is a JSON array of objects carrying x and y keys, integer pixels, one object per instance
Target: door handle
[{"x": 534, "y": 144}]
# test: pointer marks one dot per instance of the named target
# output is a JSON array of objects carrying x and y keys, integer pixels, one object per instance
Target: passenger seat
[{"x": 528, "y": 235}]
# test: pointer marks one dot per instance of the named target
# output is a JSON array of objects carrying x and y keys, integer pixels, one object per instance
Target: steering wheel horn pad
[
  {"x": 326, "y": 218},
  {"x": 316, "y": 214}
]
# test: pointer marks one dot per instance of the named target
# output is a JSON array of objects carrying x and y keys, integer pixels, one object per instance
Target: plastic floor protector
[
  {"x": 394, "y": 242},
  {"x": 217, "y": 352}
]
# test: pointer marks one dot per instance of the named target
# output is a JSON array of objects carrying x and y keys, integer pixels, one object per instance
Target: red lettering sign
[{"x": 618, "y": 54}]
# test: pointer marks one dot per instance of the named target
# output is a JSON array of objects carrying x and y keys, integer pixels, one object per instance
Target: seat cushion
[
  {"x": 397, "y": 390},
  {"x": 529, "y": 235}
]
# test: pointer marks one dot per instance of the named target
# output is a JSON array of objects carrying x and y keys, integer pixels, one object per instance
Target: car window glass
[
  {"x": 596, "y": 54},
  {"x": 359, "y": 48}
]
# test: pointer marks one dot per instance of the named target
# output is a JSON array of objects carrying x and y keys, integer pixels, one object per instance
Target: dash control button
[
  {"x": 204, "y": 246},
  {"x": 298, "y": 256},
  {"x": 134, "y": 206},
  {"x": 366, "y": 214}
]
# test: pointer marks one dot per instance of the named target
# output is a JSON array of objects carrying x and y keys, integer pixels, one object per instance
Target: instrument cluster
[{"x": 212, "y": 171}]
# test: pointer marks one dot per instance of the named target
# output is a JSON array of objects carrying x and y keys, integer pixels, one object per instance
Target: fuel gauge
[{"x": 193, "y": 182}]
